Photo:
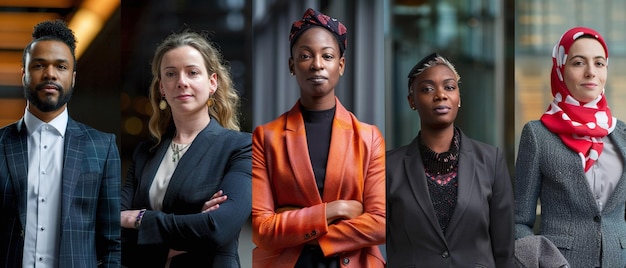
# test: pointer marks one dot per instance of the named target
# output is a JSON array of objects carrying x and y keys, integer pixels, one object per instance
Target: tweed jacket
[
  {"x": 282, "y": 176},
  {"x": 217, "y": 159},
  {"x": 480, "y": 232},
  {"x": 90, "y": 204},
  {"x": 548, "y": 170}
]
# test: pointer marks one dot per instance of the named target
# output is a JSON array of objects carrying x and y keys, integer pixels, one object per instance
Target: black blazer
[
  {"x": 480, "y": 233},
  {"x": 218, "y": 159}
]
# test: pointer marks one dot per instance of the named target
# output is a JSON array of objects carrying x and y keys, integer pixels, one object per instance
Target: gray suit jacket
[
  {"x": 480, "y": 233},
  {"x": 548, "y": 170}
]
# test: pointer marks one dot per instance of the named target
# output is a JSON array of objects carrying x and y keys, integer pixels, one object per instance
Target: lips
[
  {"x": 184, "y": 96},
  {"x": 49, "y": 87},
  {"x": 442, "y": 109},
  {"x": 589, "y": 85},
  {"x": 317, "y": 79}
]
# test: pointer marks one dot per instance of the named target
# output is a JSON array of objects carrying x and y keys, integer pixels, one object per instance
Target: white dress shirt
[
  {"x": 605, "y": 173},
  {"x": 43, "y": 203}
]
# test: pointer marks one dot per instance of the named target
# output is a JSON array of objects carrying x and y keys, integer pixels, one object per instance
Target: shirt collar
[{"x": 33, "y": 123}]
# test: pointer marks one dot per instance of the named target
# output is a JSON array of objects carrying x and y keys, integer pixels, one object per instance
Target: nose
[
  {"x": 590, "y": 71},
  {"x": 317, "y": 63},
  {"x": 441, "y": 94},
  {"x": 49, "y": 73},
  {"x": 182, "y": 82}
]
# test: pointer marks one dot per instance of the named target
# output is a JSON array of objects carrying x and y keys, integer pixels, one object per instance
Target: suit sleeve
[
  {"x": 271, "y": 230},
  {"x": 214, "y": 228},
  {"x": 527, "y": 183},
  {"x": 501, "y": 215},
  {"x": 108, "y": 242},
  {"x": 368, "y": 229}
]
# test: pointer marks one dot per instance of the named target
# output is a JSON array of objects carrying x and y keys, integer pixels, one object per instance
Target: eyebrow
[
  {"x": 581, "y": 56},
  {"x": 308, "y": 47},
  {"x": 432, "y": 82},
  {"x": 47, "y": 60},
  {"x": 186, "y": 66}
]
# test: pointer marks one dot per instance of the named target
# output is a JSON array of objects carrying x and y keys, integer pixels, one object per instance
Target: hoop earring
[{"x": 163, "y": 103}]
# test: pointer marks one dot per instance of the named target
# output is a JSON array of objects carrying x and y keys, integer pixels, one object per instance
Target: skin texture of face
[
  {"x": 185, "y": 81},
  {"x": 317, "y": 65},
  {"x": 48, "y": 78},
  {"x": 435, "y": 95},
  {"x": 585, "y": 70}
]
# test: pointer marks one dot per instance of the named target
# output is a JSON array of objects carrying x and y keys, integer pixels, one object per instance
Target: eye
[
  {"x": 600, "y": 64},
  {"x": 36, "y": 66},
  {"x": 305, "y": 56},
  {"x": 578, "y": 63},
  {"x": 194, "y": 73},
  {"x": 169, "y": 74},
  {"x": 427, "y": 89},
  {"x": 62, "y": 67},
  {"x": 328, "y": 56},
  {"x": 450, "y": 87}
]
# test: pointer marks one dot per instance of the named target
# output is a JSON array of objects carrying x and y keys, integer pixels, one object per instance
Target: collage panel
[
  {"x": 450, "y": 139},
  {"x": 318, "y": 145},
  {"x": 187, "y": 143},
  {"x": 60, "y": 133},
  {"x": 571, "y": 140}
]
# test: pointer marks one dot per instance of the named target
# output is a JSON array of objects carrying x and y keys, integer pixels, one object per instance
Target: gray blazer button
[
  {"x": 596, "y": 218},
  {"x": 445, "y": 254},
  {"x": 346, "y": 261}
]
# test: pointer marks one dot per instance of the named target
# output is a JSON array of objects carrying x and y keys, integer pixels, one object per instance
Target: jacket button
[
  {"x": 445, "y": 254},
  {"x": 596, "y": 218},
  {"x": 313, "y": 233},
  {"x": 346, "y": 261},
  {"x": 307, "y": 236}
]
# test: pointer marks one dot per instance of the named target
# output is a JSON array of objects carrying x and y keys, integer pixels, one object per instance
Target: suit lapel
[
  {"x": 71, "y": 164},
  {"x": 618, "y": 136},
  {"x": 298, "y": 152},
  {"x": 195, "y": 156},
  {"x": 466, "y": 180},
  {"x": 414, "y": 168},
  {"x": 16, "y": 150},
  {"x": 341, "y": 137}
]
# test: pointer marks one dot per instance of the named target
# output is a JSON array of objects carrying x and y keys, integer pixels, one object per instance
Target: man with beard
[{"x": 59, "y": 179}]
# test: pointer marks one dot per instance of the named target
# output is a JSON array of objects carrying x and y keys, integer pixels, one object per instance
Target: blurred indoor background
[{"x": 95, "y": 100}]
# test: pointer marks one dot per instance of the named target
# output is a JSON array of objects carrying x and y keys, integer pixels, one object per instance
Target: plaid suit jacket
[{"x": 90, "y": 207}]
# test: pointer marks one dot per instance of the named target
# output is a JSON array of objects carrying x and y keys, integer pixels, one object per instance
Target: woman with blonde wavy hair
[{"x": 188, "y": 191}]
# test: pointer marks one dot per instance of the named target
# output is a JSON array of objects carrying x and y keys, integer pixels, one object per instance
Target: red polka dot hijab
[{"x": 581, "y": 126}]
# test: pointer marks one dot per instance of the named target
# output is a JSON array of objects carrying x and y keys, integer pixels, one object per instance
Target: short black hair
[{"x": 56, "y": 30}]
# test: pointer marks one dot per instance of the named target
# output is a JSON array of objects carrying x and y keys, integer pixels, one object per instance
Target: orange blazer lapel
[
  {"x": 338, "y": 154},
  {"x": 298, "y": 154}
]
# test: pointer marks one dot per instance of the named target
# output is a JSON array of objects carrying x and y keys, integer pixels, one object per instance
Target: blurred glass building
[{"x": 476, "y": 36}]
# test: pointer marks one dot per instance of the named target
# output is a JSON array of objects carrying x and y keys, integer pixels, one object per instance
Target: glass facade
[
  {"x": 473, "y": 35},
  {"x": 539, "y": 25}
]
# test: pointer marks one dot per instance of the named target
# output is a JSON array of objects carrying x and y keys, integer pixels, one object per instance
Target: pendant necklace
[{"x": 177, "y": 149}]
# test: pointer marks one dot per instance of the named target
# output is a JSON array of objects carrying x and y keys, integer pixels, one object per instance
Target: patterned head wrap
[
  {"x": 581, "y": 126},
  {"x": 313, "y": 18}
]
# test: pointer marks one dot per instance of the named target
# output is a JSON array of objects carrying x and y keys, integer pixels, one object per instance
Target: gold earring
[
  {"x": 163, "y": 103},
  {"x": 210, "y": 101}
]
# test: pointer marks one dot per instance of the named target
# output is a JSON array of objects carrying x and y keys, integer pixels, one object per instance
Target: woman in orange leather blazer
[{"x": 318, "y": 174}]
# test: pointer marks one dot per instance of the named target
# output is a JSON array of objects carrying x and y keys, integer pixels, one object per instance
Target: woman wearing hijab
[
  {"x": 317, "y": 172},
  {"x": 188, "y": 190},
  {"x": 449, "y": 197},
  {"x": 573, "y": 160}
]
